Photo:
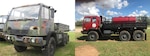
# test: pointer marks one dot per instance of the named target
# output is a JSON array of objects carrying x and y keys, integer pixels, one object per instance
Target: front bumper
[
  {"x": 84, "y": 32},
  {"x": 25, "y": 40}
]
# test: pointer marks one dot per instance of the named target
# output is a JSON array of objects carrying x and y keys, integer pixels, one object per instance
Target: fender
[{"x": 49, "y": 35}]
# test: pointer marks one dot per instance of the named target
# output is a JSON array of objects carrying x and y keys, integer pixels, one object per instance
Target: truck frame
[
  {"x": 96, "y": 27},
  {"x": 33, "y": 26}
]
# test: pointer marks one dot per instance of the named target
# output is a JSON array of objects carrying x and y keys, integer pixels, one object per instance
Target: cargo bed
[
  {"x": 61, "y": 27},
  {"x": 113, "y": 26}
]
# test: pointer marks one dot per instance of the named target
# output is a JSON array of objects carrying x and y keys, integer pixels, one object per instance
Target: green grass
[
  {"x": 67, "y": 50},
  {"x": 121, "y": 48},
  {"x": 4, "y": 43},
  {"x": 105, "y": 48},
  {"x": 7, "y": 49}
]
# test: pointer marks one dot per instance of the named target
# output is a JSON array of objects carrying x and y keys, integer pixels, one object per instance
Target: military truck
[
  {"x": 33, "y": 26},
  {"x": 3, "y": 19}
]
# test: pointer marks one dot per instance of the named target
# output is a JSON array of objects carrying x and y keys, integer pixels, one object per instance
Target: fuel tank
[{"x": 125, "y": 19}]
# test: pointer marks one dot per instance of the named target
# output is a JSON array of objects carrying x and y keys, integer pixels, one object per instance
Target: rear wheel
[
  {"x": 124, "y": 36},
  {"x": 20, "y": 48},
  {"x": 64, "y": 40},
  {"x": 138, "y": 35},
  {"x": 92, "y": 36},
  {"x": 50, "y": 47}
]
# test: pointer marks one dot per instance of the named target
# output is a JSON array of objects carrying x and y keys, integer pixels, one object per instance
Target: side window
[
  {"x": 45, "y": 13},
  {"x": 52, "y": 13},
  {"x": 94, "y": 20},
  {"x": 87, "y": 20}
]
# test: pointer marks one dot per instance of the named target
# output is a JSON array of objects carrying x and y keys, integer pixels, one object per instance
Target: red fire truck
[{"x": 126, "y": 27}]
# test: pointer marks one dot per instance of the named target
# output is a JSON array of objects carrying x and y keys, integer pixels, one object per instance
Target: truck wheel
[
  {"x": 145, "y": 36},
  {"x": 64, "y": 40},
  {"x": 138, "y": 35},
  {"x": 1, "y": 39},
  {"x": 124, "y": 36},
  {"x": 92, "y": 36},
  {"x": 67, "y": 38},
  {"x": 20, "y": 48},
  {"x": 50, "y": 47}
]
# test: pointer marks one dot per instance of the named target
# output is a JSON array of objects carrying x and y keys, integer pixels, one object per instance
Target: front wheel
[
  {"x": 20, "y": 48},
  {"x": 124, "y": 36},
  {"x": 92, "y": 36},
  {"x": 138, "y": 35},
  {"x": 50, "y": 47}
]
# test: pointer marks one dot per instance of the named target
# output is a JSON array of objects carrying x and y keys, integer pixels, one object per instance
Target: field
[
  {"x": 6, "y": 49},
  {"x": 118, "y": 48},
  {"x": 98, "y": 48}
]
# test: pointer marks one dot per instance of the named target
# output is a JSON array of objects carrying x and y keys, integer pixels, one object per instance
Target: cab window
[
  {"x": 45, "y": 13},
  {"x": 87, "y": 20},
  {"x": 94, "y": 20}
]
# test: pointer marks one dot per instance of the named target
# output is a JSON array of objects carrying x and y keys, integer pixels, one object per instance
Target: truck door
[
  {"x": 87, "y": 23},
  {"x": 94, "y": 22},
  {"x": 46, "y": 21}
]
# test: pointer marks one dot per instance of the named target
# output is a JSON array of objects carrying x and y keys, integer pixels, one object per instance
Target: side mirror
[
  {"x": 55, "y": 11},
  {"x": 52, "y": 13}
]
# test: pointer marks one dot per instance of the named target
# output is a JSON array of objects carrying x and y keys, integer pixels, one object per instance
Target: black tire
[
  {"x": 145, "y": 36},
  {"x": 20, "y": 48},
  {"x": 64, "y": 40},
  {"x": 124, "y": 36},
  {"x": 1, "y": 39},
  {"x": 67, "y": 38},
  {"x": 138, "y": 35},
  {"x": 92, "y": 36},
  {"x": 50, "y": 47}
]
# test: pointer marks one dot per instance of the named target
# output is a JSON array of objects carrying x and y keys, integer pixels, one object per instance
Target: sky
[
  {"x": 65, "y": 9},
  {"x": 111, "y": 8}
]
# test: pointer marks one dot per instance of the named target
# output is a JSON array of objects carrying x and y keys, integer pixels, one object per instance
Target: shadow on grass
[
  {"x": 30, "y": 52},
  {"x": 101, "y": 38}
]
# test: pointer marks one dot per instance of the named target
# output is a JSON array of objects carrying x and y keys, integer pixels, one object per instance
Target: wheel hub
[
  {"x": 124, "y": 36},
  {"x": 92, "y": 36}
]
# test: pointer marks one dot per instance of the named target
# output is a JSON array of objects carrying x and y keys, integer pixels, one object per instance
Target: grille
[{"x": 18, "y": 32}]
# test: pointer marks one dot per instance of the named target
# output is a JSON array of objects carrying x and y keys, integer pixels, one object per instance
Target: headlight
[
  {"x": 84, "y": 28},
  {"x": 8, "y": 38},
  {"x": 33, "y": 40}
]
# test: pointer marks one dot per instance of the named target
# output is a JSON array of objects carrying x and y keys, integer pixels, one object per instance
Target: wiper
[{"x": 28, "y": 18}]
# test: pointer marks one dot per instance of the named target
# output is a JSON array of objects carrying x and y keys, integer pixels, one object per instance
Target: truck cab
[
  {"x": 3, "y": 19},
  {"x": 91, "y": 23}
]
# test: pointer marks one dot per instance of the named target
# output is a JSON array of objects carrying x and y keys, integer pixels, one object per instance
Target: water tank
[{"x": 124, "y": 19}]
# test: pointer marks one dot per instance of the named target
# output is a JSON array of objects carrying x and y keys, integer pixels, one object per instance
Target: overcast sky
[
  {"x": 65, "y": 9},
  {"x": 111, "y": 8}
]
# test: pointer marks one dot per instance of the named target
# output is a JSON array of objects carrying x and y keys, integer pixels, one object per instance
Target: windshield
[
  {"x": 3, "y": 19},
  {"x": 29, "y": 12}
]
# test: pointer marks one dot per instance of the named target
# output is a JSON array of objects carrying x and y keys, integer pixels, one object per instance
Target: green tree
[{"x": 78, "y": 23}]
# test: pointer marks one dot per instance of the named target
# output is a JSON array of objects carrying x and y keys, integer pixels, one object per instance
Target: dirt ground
[
  {"x": 78, "y": 29},
  {"x": 86, "y": 50}
]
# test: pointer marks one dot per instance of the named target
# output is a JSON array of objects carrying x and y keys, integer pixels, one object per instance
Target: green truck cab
[
  {"x": 33, "y": 26},
  {"x": 3, "y": 19}
]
